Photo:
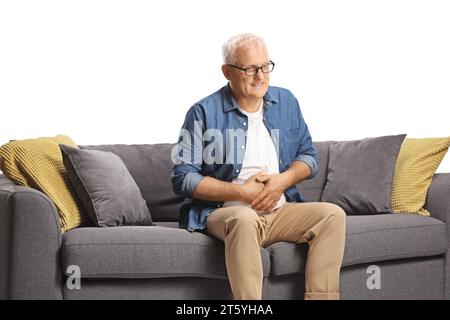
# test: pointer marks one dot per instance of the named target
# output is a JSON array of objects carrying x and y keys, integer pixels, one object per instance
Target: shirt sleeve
[
  {"x": 306, "y": 151},
  {"x": 187, "y": 154}
]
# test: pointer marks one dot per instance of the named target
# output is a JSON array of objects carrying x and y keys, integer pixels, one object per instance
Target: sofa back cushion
[
  {"x": 360, "y": 174},
  {"x": 37, "y": 163},
  {"x": 150, "y": 166},
  {"x": 415, "y": 168},
  {"x": 108, "y": 192}
]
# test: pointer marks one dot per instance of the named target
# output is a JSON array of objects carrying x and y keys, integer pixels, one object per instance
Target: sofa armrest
[
  {"x": 438, "y": 197},
  {"x": 30, "y": 241},
  {"x": 438, "y": 204}
]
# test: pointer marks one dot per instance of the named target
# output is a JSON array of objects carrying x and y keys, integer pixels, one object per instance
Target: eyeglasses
[{"x": 251, "y": 71}]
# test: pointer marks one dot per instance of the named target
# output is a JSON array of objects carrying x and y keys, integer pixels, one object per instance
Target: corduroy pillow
[
  {"x": 105, "y": 187},
  {"x": 416, "y": 164},
  {"x": 37, "y": 163}
]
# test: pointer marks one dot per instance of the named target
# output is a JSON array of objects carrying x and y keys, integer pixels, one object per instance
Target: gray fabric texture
[
  {"x": 169, "y": 224},
  {"x": 152, "y": 289},
  {"x": 146, "y": 252},
  {"x": 30, "y": 257},
  {"x": 284, "y": 287},
  {"x": 312, "y": 188},
  {"x": 106, "y": 189},
  {"x": 418, "y": 278},
  {"x": 438, "y": 204},
  {"x": 371, "y": 238},
  {"x": 360, "y": 174},
  {"x": 400, "y": 280},
  {"x": 410, "y": 279},
  {"x": 150, "y": 166}
]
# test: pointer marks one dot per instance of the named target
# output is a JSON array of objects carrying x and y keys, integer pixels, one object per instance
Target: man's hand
[
  {"x": 274, "y": 186},
  {"x": 251, "y": 188}
]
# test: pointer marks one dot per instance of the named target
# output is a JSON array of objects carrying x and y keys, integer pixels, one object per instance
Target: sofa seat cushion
[
  {"x": 145, "y": 252},
  {"x": 371, "y": 238}
]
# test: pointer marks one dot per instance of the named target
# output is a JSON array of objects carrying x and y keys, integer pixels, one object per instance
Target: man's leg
[
  {"x": 242, "y": 231},
  {"x": 322, "y": 225}
]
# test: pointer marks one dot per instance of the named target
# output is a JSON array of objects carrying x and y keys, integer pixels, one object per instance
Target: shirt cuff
[
  {"x": 311, "y": 162},
  {"x": 190, "y": 182}
]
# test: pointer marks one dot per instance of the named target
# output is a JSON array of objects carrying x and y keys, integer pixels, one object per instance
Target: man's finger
[
  {"x": 262, "y": 178},
  {"x": 253, "y": 177},
  {"x": 263, "y": 203},
  {"x": 261, "y": 206},
  {"x": 269, "y": 206},
  {"x": 260, "y": 197}
]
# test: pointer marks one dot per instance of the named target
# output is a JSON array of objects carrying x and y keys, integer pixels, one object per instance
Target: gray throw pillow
[
  {"x": 360, "y": 174},
  {"x": 106, "y": 189}
]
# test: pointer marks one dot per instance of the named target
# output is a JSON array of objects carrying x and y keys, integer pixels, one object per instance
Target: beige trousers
[{"x": 244, "y": 232}]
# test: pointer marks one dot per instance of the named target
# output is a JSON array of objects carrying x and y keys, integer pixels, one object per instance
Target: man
[{"x": 244, "y": 193}]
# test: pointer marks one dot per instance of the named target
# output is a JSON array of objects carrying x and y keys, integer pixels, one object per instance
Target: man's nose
[{"x": 259, "y": 74}]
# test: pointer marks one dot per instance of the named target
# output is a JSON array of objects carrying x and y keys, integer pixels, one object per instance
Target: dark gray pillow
[
  {"x": 360, "y": 173},
  {"x": 106, "y": 189}
]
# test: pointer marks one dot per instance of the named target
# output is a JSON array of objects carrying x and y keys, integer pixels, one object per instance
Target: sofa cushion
[
  {"x": 360, "y": 174},
  {"x": 371, "y": 238},
  {"x": 150, "y": 166},
  {"x": 415, "y": 167},
  {"x": 106, "y": 189},
  {"x": 145, "y": 252},
  {"x": 37, "y": 163}
]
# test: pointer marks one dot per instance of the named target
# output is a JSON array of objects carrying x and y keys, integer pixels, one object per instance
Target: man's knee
[{"x": 333, "y": 211}]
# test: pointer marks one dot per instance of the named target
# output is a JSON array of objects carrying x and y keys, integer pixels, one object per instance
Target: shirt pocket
[{"x": 291, "y": 139}]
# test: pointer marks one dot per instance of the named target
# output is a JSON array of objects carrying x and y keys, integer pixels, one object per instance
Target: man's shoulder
[
  {"x": 209, "y": 102},
  {"x": 213, "y": 98}
]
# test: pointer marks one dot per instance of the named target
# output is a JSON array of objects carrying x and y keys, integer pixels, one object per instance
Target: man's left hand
[{"x": 275, "y": 184}]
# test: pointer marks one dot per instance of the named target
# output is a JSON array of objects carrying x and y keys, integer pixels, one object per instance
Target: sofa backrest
[
  {"x": 150, "y": 165},
  {"x": 312, "y": 189}
]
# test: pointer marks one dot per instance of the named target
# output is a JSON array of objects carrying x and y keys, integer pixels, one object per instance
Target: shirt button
[
  {"x": 281, "y": 161},
  {"x": 244, "y": 124},
  {"x": 237, "y": 170},
  {"x": 242, "y": 147}
]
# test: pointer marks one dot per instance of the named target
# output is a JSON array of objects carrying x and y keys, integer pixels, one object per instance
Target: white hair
[{"x": 243, "y": 40}]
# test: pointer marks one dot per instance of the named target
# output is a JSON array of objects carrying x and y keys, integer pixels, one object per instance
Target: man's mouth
[{"x": 258, "y": 84}]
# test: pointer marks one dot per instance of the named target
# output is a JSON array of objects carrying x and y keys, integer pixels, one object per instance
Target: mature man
[{"x": 243, "y": 192}]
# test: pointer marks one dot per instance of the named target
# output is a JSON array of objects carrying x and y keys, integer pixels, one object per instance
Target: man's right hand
[{"x": 251, "y": 188}]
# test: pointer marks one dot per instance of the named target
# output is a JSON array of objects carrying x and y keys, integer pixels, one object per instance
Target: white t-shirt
[{"x": 260, "y": 154}]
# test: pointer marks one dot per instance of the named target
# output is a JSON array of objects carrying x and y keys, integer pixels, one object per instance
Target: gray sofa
[{"x": 164, "y": 262}]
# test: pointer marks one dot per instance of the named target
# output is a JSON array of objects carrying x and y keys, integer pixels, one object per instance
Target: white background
[{"x": 127, "y": 71}]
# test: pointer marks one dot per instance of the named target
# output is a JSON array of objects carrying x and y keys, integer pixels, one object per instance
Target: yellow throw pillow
[
  {"x": 416, "y": 164},
  {"x": 38, "y": 163}
]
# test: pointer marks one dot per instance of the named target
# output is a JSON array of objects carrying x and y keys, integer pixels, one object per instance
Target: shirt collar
[{"x": 230, "y": 103}]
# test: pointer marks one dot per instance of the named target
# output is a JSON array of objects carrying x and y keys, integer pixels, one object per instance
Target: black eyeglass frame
[{"x": 253, "y": 67}]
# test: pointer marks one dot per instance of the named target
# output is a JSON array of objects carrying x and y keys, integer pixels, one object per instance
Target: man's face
[{"x": 243, "y": 86}]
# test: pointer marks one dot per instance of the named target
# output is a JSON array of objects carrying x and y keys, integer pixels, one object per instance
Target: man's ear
[{"x": 226, "y": 71}]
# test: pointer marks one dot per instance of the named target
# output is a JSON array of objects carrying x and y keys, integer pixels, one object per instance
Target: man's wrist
[
  {"x": 238, "y": 191},
  {"x": 288, "y": 179}
]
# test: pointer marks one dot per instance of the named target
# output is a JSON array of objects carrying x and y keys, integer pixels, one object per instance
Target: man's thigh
[
  {"x": 216, "y": 223},
  {"x": 296, "y": 222}
]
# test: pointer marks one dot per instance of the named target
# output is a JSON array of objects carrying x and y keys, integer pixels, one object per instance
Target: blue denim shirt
[{"x": 212, "y": 143}]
